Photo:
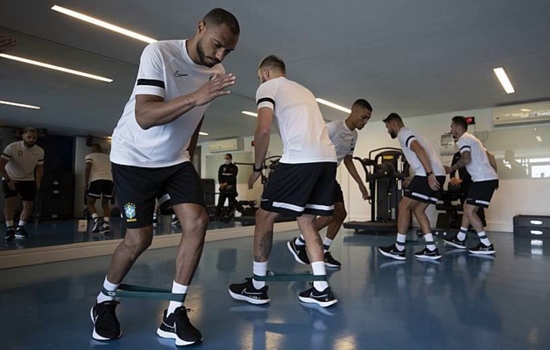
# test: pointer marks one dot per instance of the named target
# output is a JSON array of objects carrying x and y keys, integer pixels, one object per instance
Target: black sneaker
[
  {"x": 105, "y": 228},
  {"x": 482, "y": 249},
  {"x": 155, "y": 221},
  {"x": 10, "y": 234},
  {"x": 455, "y": 242},
  {"x": 246, "y": 292},
  {"x": 106, "y": 325},
  {"x": 331, "y": 262},
  {"x": 177, "y": 326},
  {"x": 392, "y": 252},
  {"x": 97, "y": 226},
  {"x": 21, "y": 233},
  {"x": 428, "y": 254},
  {"x": 298, "y": 251},
  {"x": 312, "y": 295}
]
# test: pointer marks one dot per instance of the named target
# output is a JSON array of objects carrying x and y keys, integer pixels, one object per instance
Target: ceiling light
[
  {"x": 333, "y": 105},
  {"x": 103, "y": 24},
  {"x": 51, "y": 66},
  {"x": 19, "y": 105},
  {"x": 504, "y": 81},
  {"x": 252, "y": 114},
  {"x": 539, "y": 139},
  {"x": 525, "y": 110},
  {"x": 203, "y": 133}
]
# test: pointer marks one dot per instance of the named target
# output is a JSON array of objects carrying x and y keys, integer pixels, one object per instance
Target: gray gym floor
[{"x": 460, "y": 302}]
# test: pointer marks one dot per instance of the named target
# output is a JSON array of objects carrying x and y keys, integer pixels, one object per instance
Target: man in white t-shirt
[
  {"x": 482, "y": 166},
  {"x": 302, "y": 185},
  {"x": 22, "y": 167},
  {"x": 424, "y": 189},
  {"x": 98, "y": 181},
  {"x": 343, "y": 134},
  {"x": 151, "y": 149}
]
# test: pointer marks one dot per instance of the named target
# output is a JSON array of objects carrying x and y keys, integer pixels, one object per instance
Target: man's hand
[
  {"x": 253, "y": 178},
  {"x": 433, "y": 183},
  {"x": 214, "y": 88},
  {"x": 407, "y": 181},
  {"x": 11, "y": 184},
  {"x": 364, "y": 191},
  {"x": 448, "y": 169},
  {"x": 223, "y": 185},
  {"x": 454, "y": 181},
  {"x": 37, "y": 185}
]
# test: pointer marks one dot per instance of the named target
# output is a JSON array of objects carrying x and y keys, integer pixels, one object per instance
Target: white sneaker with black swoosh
[
  {"x": 324, "y": 298},
  {"x": 246, "y": 292}
]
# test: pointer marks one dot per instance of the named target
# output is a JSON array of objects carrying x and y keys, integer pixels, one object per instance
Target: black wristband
[
  {"x": 429, "y": 173},
  {"x": 256, "y": 170}
]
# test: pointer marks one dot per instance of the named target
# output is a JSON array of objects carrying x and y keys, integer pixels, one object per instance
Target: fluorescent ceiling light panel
[
  {"x": 525, "y": 110},
  {"x": 203, "y": 133},
  {"x": 333, "y": 105},
  {"x": 51, "y": 66},
  {"x": 19, "y": 105},
  {"x": 539, "y": 139},
  {"x": 252, "y": 114},
  {"x": 103, "y": 24},
  {"x": 504, "y": 81}
]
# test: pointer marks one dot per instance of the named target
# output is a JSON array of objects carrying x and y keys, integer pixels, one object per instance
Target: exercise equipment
[
  {"x": 385, "y": 169},
  {"x": 140, "y": 292},
  {"x": 279, "y": 277}
]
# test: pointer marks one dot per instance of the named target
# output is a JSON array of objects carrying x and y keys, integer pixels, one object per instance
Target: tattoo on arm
[
  {"x": 265, "y": 246},
  {"x": 319, "y": 242},
  {"x": 462, "y": 162}
]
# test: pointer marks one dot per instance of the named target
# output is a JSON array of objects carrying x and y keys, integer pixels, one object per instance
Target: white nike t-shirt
[
  {"x": 342, "y": 138},
  {"x": 101, "y": 166},
  {"x": 22, "y": 160},
  {"x": 479, "y": 168},
  {"x": 301, "y": 125},
  {"x": 406, "y": 136},
  {"x": 165, "y": 70}
]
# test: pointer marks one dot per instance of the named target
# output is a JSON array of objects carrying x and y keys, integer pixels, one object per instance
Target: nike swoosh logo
[
  {"x": 178, "y": 74},
  {"x": 251, "y": 293},
  {"x": 167, "y": 325},
  {"x": 318, "y": 296}
]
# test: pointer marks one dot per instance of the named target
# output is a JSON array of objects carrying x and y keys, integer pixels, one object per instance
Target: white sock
[
  {"x": 155, "y": 216},
  {"x": 401, "y": 239},
  {"x": 462, "y": 234},
  {"x": 429, "y": 238},
  {"x": 106, "y": 219},
  {"x": 326, "y": 244},
  {"x": 21, "y": 223},
  {"x": 259, "y": 269},
  {"x": 485, "y": 239},
  {"x": 108, "y": 286},
  {"x": 318, "y": 268},
  {"x": 300, "y": 240},
  {"x": 95, "y": 216},
  {"x": 9, "y": 223},
  {"x": 178, "y": 289}
]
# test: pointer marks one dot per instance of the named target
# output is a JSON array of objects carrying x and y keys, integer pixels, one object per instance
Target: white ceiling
[{"x": 413, "y": 57}]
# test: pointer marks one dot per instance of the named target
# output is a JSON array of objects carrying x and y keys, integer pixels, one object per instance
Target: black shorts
[
  {"x": 27, "y": 190},
  {"x": 138, "y": 187},
  {"x": 296, "y": 189},
  {"x": 100, "y": 188},
  {"x": 420, "y": 190},
  {"x": 481, "y": 193},
  {"x": 338, "y": 194}
]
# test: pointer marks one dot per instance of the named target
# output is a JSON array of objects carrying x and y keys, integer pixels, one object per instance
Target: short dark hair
[
  {"x": 220, "y": 16},
  {"x": 230, "y": 155},
  {"x": 363, "y": 103},
  {"x": 460, "y": 120},
  {"x": 392, "y": 117},
  {"x": 30, "y": 129},
  {"x": 273, "y": 61}
]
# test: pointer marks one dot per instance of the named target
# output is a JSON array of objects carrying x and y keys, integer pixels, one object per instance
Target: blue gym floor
[{"x": 461, "y": 302}]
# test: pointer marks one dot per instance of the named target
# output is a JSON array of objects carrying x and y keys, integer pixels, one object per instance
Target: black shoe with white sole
[
  {"x": 97, "y": 226},
  {"x": 10, "y": 234},
  {"x": 330, "y": 262},
  {"x": 324, "y": 298},
  {"x": 455, "y": 242},
  {"x": 105, "y": 228},
  {"x": 392, "y": 252},
  {"x": 298, "y": 251},
  {"x": 482, "y": 249},
  {"x": 21, "y": 233},
  {"x": 177, "y": 326},
  {"x": 428, "y": 254},
  {"x": 246, "y": 292},
  {"x": 106, "y": 325}
]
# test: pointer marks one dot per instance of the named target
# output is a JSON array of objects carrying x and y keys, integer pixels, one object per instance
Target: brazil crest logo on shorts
[{"x": 130, "y": 211}]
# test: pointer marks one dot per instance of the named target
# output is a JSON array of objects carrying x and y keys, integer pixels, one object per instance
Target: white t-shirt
[
  {"x": 301, "y": 125},
  {"x": 165, "y": 70},
  {"x": 101, "y": 166},
  {"x": 406, "y": 136},
  {"x": 479, "y": 168},
  {"x": 342, "y": 138},
  {"x": 22, "y": 160}
]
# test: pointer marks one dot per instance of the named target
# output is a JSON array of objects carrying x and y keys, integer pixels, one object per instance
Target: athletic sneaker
[
  {"x": 155, "y": 221},
  {"x": 298, "y": 251},
  {"x": 97, "y": 225},
  {"x": 324, "y": 298},
  {"x": 331, "y": 262},
  {"x": 246, "y": 292},
  {"x": 10, "y": 234},
  {"x": 482, "y": 249},
  {"x": 105, "y": 228},
  {"x": 106, "y": 325},
  {"x": 177, "y": 326},
  {"x": 455, "y": 242},
  {"x": 428, "y": 254},
  {"x": 174, "y": 221},
  {"x": 392, "y": 252},
  {"x": 21, "y": 233}
]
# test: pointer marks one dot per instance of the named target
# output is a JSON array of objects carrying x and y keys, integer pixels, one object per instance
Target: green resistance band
[
  {"x": 278, "y": 277},
  {"x": 140, "y": 292}
]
